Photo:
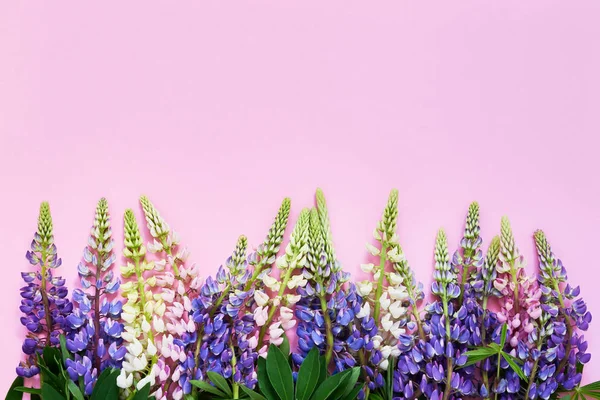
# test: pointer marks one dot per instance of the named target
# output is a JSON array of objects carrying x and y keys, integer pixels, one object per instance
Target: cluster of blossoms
[
  {"x": 95, "y": 326},
  {"x": 45, "y": 304},
  {"x": 227, "y": 344},
  {"x": 489, "y": 331},
  {"x": 326, "y": 311}
]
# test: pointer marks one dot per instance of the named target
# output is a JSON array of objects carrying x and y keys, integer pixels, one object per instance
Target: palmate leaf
[
  {"x": 263, "y": 381},
  {"x": 479, "y": 354},
  {"x": 594, "y": 387},
  {"x": 512, "y": 361},
  {"x": 14, "y": 394},
  {"x": 49, "y": 393},
  {"x": 106, "y": 387}
]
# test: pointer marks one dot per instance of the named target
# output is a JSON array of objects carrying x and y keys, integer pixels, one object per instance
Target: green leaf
[
  {"x": 52, "y": 357},
  {"x": 348, "y": 383},
  {"x": 74, "y": 389},
  {"x": 479, "y": 354},
  {"x": 280, "y": 373},
  {"x": 106, "y": 386},
  {"x": 503, "y": 335},
  {"x": 220, "y": 382},
  {"x": 353, "y": 395},
  {"x": 375, "y": 396},
  {"x": 324, "y": 373},
  {"x": 49, "y": 393},
  {"x": 252, "y": 394},
  {"x": 25, "y": 389},
  {"x": 594, "y": 386},
  {"x": 143, "y": 393},
  {"x": 263, "y": 380},
  {"x": 513, "y": 364},
  {"x": 63, "y": 349},
  {"x": 207, "y": 387},
  {"x": 15, "y": 394},
  {"x": 285, "y": 346},
  {"x": 330, "y": 385},
  {"x": 308, "y": 375}
]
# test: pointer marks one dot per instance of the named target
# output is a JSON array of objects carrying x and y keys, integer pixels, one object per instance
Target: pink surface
[{"x": 217, "y": 111}]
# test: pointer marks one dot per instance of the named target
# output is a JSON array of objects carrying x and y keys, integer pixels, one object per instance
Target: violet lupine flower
[
  {"x": 448, "y": 335},
  {"x": 469, "y": 257},
  {"x": 45, "y": 304},
  {"x": 95, "y": 337},
  {"x": 322, "y": 284},
  {"x": 520, "y": 307},
  {"x": 227, "y": 344},
  {"x": 175, "y": 281},
  {"x": 559, "y": 345}
]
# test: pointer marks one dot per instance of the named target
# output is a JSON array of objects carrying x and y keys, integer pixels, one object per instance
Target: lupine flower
[
  {"x": 45, "y": 304},
  {"x": 324, "y": 278},
  {"x": 521, "y": 295},
  {"x": 446, "y": 324},
  {"x": 264, "y": 257},
  {"x": 175, "y": 280},
  {"x": 142, "y": 315},
  {"x": 293, "y": 259},
  {"x": 95, "y": 337},
  {"x": 559, "y": 346},
  {"x": 469, "y": 256},
  {"x": 228, "y": 344}
]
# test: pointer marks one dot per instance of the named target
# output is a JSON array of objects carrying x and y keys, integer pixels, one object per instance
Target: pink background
[{"x": 218, "y": 110}]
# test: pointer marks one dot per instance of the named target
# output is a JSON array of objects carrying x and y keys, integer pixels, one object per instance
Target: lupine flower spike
[
  {"x": 228, "y": 343},
  {"x": 176, "y": 279},
  {"x": 469, "y": 257},
  {"x": 293, "y": 260},
  {"x": 45, "y": 304},
  {"x": 264, "y": 257},
  {"x": 325, "y": 312},
  {"x": 521, "y": 305},
  {"x": 142, "y": 315},
  {"x": 95, "y": 337}
]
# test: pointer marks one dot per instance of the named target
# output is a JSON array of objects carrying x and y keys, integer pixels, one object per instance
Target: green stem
[
  {"x": 257, "y": 270},
  {"x": 328, "y": 328},
  {"x": 498, "y": 374},
  {"x": 449, "y": 366},
  {"x": 379, "y": 290},
  {"x": 44, "y": 294},
  {"x": 465, "y": 275},
  {"x": 235, "y": 386},
  {"x": 484, "y": 374}
]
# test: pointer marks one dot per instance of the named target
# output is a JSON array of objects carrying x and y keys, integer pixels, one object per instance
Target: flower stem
[
  {"x": 328, "y": 329},
  {"x": 449, "y": 366},
  {"x": 497, "y": 374},
  {"x": 569, "y": 334},
  {"x": 45, "y": 300}
]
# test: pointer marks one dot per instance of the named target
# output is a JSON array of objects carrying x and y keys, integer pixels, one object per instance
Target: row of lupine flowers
[{"x": 157, "y": 321}]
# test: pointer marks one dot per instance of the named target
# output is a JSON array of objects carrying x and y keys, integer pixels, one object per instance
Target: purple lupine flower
[
  {"x": 226, "y": 341},
  {"x": 95, "y": 337},
  {"x": 45, "y": 304},
  {"x": 559, "y": 345}
]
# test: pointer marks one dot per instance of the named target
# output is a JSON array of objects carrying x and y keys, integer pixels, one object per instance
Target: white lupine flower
[
  {"x": 127, "y": 336},
  {"x": 176, "y": 374},
  {"x": 271, "y": 282},
  {"x": 386, "y": 322},
  {"x": 127, "y": 287},
  {"x": 135, "y": 348},
  {"x": 384, "y": 301},
  {"x": 384, "y": 364},
  {"x": 144, "y": 381},
  {"x": 261, "y": 315},
  {"x": 261, "y": 298},
  {"x": 159, "y": 324},
  {"x": 145, "y": 326},
  {"x": 365, "y": 310},
  {"x": 396, "y": 309},
  {"x": 124, "y": 380},
  {"x": 368, "y": 268},
  {"x": 396, "y": 330},
  {"x": 394, "y": 279},
  {"x": 373, "y": 250},
  {"x": 377, "y": 341},
  {"x": 128, "y": 269},
  {"x": 386, "y": 351},
  {"x": 281, "y": 261},
  {"x": 293, "y": 299},
  {"x": 139, "y": 363},
  {"x": 395, "y": 352},
  {"x": 151, "y": 348},
  {"x": 296, "y": 281},
  {"x": 376, "y": 235},
  {"x": 364, "y": 288},
  {"x": 376, "y": 275},
  {"x": 398, "y": 293}
]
